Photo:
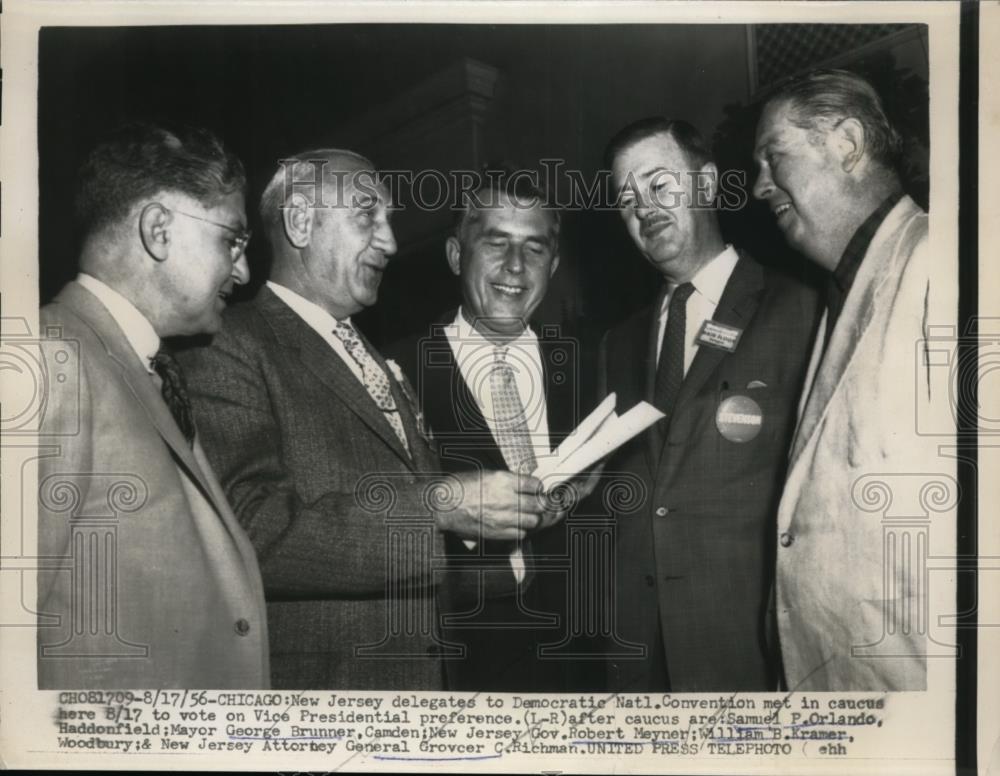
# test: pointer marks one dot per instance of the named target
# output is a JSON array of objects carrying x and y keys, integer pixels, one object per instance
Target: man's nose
[
  {"x": 385, "y": 240},
  {"x": 241, "y": 270},
  {"x": 513, "y": 260},
  {"x": 763, "y": 186}
]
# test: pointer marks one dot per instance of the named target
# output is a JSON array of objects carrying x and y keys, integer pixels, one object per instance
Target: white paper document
[{"x": 599, "y": 434}]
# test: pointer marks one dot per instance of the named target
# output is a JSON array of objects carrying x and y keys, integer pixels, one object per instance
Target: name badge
[
  {"x": 719, "y": 335},
  {"x": 739, "y": 418}
]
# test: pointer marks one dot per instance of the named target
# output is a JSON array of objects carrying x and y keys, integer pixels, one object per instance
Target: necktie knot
[
  {"x": 680, "y": 295},
  {"x": 173, "y": 388}
]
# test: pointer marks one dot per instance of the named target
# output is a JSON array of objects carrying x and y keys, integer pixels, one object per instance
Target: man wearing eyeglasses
[{"x": 148, "y": 580}]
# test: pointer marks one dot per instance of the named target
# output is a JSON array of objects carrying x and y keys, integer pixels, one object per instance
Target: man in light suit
[
  {"x": 722, "y": 352},
  {"x": 148, "y": 579},
  {"x": 320, "y": 447},
  {"x": 504, "y": 250},
  {"x": 850, "y": 615}
]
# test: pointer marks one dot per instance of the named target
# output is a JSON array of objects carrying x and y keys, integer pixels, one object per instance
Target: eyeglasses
[{"x": 237, "y": 245}]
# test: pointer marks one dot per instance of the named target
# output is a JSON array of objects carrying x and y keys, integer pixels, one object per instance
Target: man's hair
[
  {"x": 684, "y": 134},
  {"x": 502, "y": 179},
  {"x": 298, "y": 173},
  {"x": 137, "y": 160},
  {"x": 822, "y": 98}
]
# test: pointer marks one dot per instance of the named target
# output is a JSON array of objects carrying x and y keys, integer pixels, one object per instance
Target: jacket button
[
  {"x": 242, "y": 627},
  {"x": 661, "y": 511},
  {"x": 433, "y": 650},
  {"x": 649, "y": 580},
  {"x": 786, "y": 539}
]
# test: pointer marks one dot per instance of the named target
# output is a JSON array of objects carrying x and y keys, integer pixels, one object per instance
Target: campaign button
[{"x": 739, "y": 418}]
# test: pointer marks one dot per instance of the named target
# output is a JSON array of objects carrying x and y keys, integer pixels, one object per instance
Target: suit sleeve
[{"x": 335, "y": 545}]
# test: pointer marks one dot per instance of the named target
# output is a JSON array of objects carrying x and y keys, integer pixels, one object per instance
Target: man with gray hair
[
  {"x": 322, "y": 450},
  {"x": 851, "y": 615}
]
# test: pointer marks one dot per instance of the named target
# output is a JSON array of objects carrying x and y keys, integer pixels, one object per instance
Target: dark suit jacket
[
  {"x": 498, "y": 659},
  {"x": 149, "y": 579},
  {"x": 695, "y": 560},
  {"x": 319, "y": 479}
]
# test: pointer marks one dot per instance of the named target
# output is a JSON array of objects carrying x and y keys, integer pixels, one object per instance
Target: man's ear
[
  {"x": 453, "y": 250},
  {"x": 555, "y": 265},
  {"x": 154, "y": 230},
  {"x": 849, "y": 136},
  {"x": 707, "y": 183},
  {"x": 297, "y": 219}
]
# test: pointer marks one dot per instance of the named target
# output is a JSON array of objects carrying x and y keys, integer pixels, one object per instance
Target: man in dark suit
[
  {"x": 504, "y": 250},
  {"x": 320, "y": 448},
  {"x": 149, "y": 579},
  {"x": 723, "y": 352}
]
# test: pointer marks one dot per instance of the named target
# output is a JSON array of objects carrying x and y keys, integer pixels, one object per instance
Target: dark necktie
[
  {"x": 174, "y": 392},
  {"x": 670, "y": 372}
]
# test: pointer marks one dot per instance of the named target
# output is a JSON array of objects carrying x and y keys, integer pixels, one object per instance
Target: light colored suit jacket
[
  {"x": 867, "y": 495},
  {"x": 148, "y": 579},
  {"x": 337, "y": 511}
]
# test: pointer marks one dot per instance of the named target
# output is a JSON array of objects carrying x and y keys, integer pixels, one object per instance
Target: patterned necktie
[
  {"x": 375, "y": 379},
  {"x": 670, "y": 372},
  {"x": 513, "y": 438},
  {"x": 174, "y": 391}
]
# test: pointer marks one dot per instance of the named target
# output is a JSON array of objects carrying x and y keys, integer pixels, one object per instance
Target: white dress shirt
[
  {"x": 320, "y": 321},
  {"x": 708, "y": 284}
]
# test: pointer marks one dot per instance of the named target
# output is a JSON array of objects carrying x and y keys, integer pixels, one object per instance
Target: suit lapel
[
  {"x": 876, "y": 268},
  {"x": 461, "y": 407},
  {"x": 329, "y": 368},
  {"x": 139, "y": 382}
]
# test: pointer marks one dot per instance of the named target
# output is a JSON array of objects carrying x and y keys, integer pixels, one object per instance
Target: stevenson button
[
  {"x": 786, "y": 539},
  {"x": 649, "y": 580},
  {"x": 433, "y": 650},
  {"x": 661, "y": 511},
  {"x": 242, "y": 627}
]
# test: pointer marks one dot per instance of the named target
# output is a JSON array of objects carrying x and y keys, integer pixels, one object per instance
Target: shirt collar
[
  {"x": 137, "y": 329},
  {"x": 468, "y": 333},
  {"x": 857, "y": 247},
  {"x": 710, "y": 281},
  {"x": 310, "y": 312}
]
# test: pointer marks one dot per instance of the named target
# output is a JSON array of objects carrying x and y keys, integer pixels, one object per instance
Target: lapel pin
[{"x": 719, "y": 335}]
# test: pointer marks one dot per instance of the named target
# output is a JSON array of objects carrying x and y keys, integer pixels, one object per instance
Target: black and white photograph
[{"x": 515, "y": 387}]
